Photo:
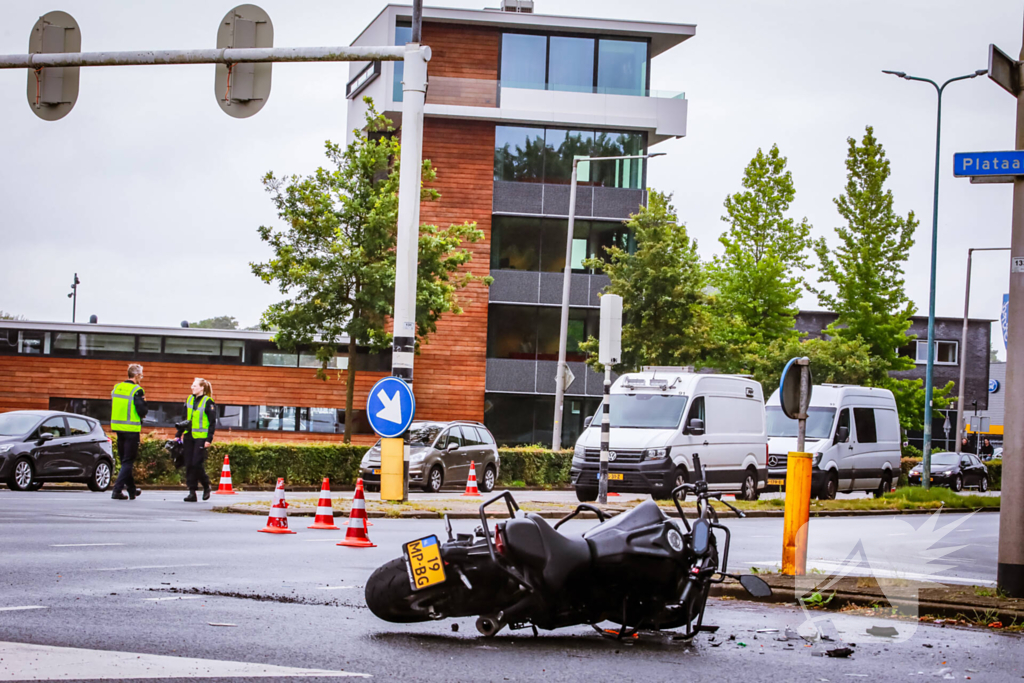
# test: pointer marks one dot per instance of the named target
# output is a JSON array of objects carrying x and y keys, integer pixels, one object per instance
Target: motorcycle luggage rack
[
  {"x": 513, "y": 508},
  {"x": 601, "y": 516}
]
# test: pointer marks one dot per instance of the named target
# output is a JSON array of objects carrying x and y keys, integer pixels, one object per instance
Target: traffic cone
[
  {"x": 277, "y": 521},
  {"x": 324, "y": 512},
  {"x": 225, "y": 480},
  {"x": 612, "y": 494},
  {"x": 471, "y": 482},
  {"x": 357, "y": 537}
]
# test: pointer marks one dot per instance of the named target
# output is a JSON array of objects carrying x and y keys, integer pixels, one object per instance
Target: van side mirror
[
  {"x": 842, "y": 434},
  {"x": 587, "y": 421},
  {"x": 695, "y": 426}
]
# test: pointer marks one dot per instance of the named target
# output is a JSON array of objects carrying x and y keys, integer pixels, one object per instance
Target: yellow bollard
[
  {"x": 392, "y": 469},
  {"x": 798, "y": 510}
]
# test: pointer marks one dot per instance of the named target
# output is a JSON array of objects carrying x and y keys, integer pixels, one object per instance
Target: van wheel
[
  {"x": 749, "y": 489},
  {"x": 829, "y": 487},
  {"x": 678, "y": 479},
  {"x": 884, "y": 486},
  {"x": 586, "y": 495}
]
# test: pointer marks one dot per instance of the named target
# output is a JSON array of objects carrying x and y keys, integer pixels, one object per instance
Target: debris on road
[
  {"x": 213, "y": 623},
  {"x": 883, "y": 631}
]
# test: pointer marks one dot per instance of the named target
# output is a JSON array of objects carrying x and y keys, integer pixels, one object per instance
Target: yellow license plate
[
  {"x": 615, "y": 476},
  {"x": 376, "y": 471},
  {"x": 423, "y": 561},
  {"x": 776, "y": 482}
]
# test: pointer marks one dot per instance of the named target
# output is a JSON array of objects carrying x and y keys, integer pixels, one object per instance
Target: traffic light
[
  {"x": 243, "y": 89},
  {"x": 52, "y": 91}
]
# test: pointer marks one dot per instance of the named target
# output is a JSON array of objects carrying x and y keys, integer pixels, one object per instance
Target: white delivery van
[
  {"x": 853, "y": 433},
  {"x": 661, "y": 418}
]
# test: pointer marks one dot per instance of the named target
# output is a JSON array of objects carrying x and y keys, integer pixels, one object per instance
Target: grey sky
[{"x": 152, "y": 194}]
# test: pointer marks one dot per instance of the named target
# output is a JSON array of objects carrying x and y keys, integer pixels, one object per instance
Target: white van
[
  {"x": 853, "y": 432},
  {"x": 661, "y": 418}
]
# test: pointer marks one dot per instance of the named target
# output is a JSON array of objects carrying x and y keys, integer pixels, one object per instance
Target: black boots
[
  {"x": 206, "y": 494},
  {"x": 118, "y": 496},
  {"x": 191, "y": 497}
]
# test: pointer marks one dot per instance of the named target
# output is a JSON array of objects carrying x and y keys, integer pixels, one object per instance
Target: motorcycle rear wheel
[{"x": 390, "y": 597}]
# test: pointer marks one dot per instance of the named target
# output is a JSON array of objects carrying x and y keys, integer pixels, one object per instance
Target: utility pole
[
  {"x": 73, "y": 295},
  {"x": 963, "y": 347}
]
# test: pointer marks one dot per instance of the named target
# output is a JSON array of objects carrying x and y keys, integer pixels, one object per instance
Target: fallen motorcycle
[{"x": 640, "y": 569}]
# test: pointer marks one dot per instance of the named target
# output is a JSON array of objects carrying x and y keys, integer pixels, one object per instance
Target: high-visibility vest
[
  {"x": 123, "y": 416},
  {"x": 197, "y": 417}
]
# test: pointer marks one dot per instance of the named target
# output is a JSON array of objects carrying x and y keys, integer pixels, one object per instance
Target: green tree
[
  {"x": 757, "y": 280},
  {"x": 220, "y": 322},
  {"x": 836, "y": 360},
  {"x": 335, "y": 259},
  {"x": 664, "y": 308},
  {"x": 7, "y": 315}
]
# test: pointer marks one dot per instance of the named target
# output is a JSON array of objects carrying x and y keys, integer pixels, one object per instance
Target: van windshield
[
  {"x": 646, "y": 411},
  {"x": 819, "y": 422}
]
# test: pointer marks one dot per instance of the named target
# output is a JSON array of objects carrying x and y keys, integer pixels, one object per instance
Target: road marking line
[
  {"x": 81, "y": 545},
  {"x": 176, "y": 597},
  {"x": 20, "y": 661},
  {"x": 146, "y": 566},
  {"x": 15, "y": 609},
  {"x": 334, "y": 588}
]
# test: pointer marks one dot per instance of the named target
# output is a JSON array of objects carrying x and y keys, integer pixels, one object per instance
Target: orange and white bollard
[
  {"x": 324, "y": 510},
  {"x": 471, "y": 489},
  {"x": 277, "y": 521},
  {"x": 357, "y": 536},
  {"x": 224, "y": 489}
]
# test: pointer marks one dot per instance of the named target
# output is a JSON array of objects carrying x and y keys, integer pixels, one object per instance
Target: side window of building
[
  {"x": 696, "y": 411},
  {"x": 55, "y": 426},
  {"x": 864, "y": 418},
  {"x": 78, "y": 427},
  {"x": 844, "y": 421}
]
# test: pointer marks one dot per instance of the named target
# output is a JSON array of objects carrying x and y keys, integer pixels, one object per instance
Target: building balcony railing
[{"x": 480, "y": 92}]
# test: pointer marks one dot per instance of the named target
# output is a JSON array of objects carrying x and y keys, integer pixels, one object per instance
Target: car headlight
[
  {"x": 656, "y": 453},
  {"x": 816, "y": 460},
  {"x": 4, "y": 449},
  {"x": 579, "y": 452}
]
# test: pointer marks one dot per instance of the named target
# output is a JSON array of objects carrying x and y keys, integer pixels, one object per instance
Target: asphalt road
[{"x": 82, "y": 571}]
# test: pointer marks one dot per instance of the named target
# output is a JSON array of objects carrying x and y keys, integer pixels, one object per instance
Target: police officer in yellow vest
[
  {"x": 127, "y": 409},
  {"x": 202, "y": 423}
]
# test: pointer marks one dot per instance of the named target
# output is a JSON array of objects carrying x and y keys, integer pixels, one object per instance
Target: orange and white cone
[
  {"x": 471, "y": 482},
  {"x": 324, "y": 511},
  {"x": 277, "y": 521},
  {"x": 357, "y": 536},
  {"x": 225, "y": 480}
]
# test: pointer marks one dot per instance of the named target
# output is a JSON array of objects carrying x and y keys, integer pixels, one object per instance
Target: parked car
[
  {"x": 853, "y": 434},
  {"x": 956, "y": 472},
  {"x": 40, "y": 446},
  {"x": 661, "y": 418},
  {"x": 440, "y": 454}
]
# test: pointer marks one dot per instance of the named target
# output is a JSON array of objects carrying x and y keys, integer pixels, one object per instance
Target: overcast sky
[{"x": 153, "y": 195}]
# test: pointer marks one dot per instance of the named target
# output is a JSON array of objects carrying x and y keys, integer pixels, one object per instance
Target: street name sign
[
  {"x": 989, "y": 167},
  {"x": 390, "y": 407}
]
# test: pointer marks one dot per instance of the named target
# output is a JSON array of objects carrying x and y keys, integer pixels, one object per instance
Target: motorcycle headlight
[
  {"x": 656, "y": 453},
  {"x": 578, "y": 452}
]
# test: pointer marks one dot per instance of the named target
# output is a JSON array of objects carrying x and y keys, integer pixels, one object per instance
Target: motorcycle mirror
[
  {"x": 448, "y": 527},
  {"x": 700, "y": 537},
  {"x": 756, "y": 586}
]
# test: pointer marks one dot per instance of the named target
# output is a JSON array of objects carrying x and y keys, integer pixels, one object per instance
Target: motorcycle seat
[{"x": 557, "y": 556}]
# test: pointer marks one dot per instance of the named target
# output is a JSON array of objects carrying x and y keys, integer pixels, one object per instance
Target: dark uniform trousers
[
  {"x": 195, "y": 461},
  {"x": 127, "y": 451}
]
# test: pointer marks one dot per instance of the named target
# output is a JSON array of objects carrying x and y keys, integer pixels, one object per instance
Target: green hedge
[
  {"x": 256, "y": 463},
  {"x": 995, "y": 472}
]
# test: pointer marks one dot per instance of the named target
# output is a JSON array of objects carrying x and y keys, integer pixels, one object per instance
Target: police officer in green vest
[
  {"x": 202, "y": 423},
  {"x": 127, "y": 409}
]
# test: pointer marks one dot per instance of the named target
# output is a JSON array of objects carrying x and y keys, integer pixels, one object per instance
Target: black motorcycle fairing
[
  {"x": 555, "y": 555},
  {"x": 634, "y": 545},
  {"x": 643, "y": 515}
]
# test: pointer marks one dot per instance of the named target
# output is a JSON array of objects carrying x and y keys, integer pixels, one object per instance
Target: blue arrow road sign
[
  {"x": 974, "y": 164},
  {"x": 390, "y": 407}
]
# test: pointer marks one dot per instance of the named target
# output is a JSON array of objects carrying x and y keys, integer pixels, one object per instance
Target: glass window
[
  {"x": 78, "y": 426},
  {"x": 64, "y": 343},
  {"x": 165, "y": 413},
  {"x": 844, "y": 421},
  {"x": 523, "y": 59},
  {"x": 819, "y": 422},
  {"x": 604, "y": 236},
  {"x": 454, "y": 437},
  {"x": 549, "y": 323},
  {"x": 561, "y": 147},
  {"x": 469, "y": 436},
  {"x": 279, "y": 359},
  {"x": 17, "y": 424},
  {"x": 55, "y": 426},
  {"x": 922, "y": 352},
  {"x": 625, "y": 173},
  {"x": 553, "y": 244},
  {"x": 403, "y": 35},
  {"x": 9, "y": 340},
  {"x": 192, "y": 347},
  {"x": 621, "y": 67},
  {"x": 647, "y": 411},
  {"x": 864, "y": 418},
  {"x": 150, "y": 344},
  {"x": 233, "y": 351},
  {"x": 423, "y": 434},
  {"x": 34, "y": 343},
  {"x": 277, "y": 418},
  {"x": 515, "y": 420},
  {"x": 571, "y": 64},
  {"x": 515, "y": 243},
  {"x": 512, "y": 332},
  {"x": 325, "y": 420},
  {"x": 97, "y": 408},
  {"x": 108, "y": 344},
  {"x": 945, "y": 352},
  {"x": 518, "y": 153},
  {"x": 230, "y": 416}
]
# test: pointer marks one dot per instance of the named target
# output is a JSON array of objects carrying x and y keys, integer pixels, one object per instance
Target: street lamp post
[
  {"x": 963, "y": 345},
  {"x": 563, "y": 330},
  {"x": 926, "y": 465},
  {"x": 73, "y": 295}
]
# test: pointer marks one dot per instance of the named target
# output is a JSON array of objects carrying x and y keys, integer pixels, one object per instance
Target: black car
[
  {"x": 40, "y": 446},
  {"x": 954, "y": 471}
]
